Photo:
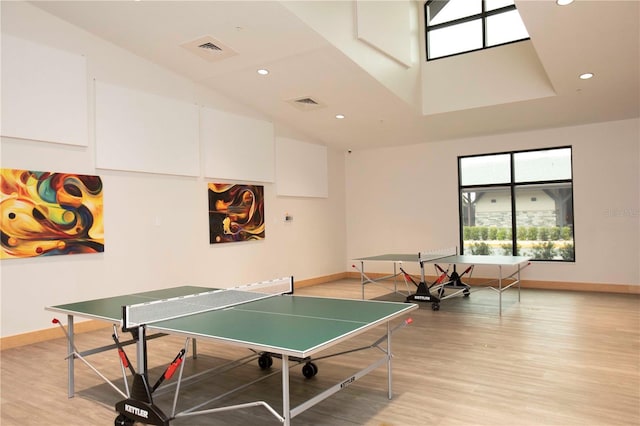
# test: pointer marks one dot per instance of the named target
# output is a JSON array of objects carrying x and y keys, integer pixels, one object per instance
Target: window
[
  {"x": 517, "y": 203},
  {"x": 460, "y": 26}
]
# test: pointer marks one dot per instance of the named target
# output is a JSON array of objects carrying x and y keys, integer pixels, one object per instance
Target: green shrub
[
  {"x": 521, "y": 233},
  {"x": 484, "y": 232},
  {"x": 503, "y": 234},
  {"x": 465, "y": 233},
  {"x": 543, "y": 233},
  {"x": 480, "y": 248},
  {"x": 554, "y": 233},
  {"x": 567, "y": 252},
  {"x": 567, "y": 234},
  {"x": 532, "y": 233},
  {"x": 544, "y": 251},
  {"x": 470, "y": 233},
  {"x": 492, "y": 233}
]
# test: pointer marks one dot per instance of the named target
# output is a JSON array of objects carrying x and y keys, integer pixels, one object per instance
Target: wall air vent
[
  {"x": 209, "y": 48},
  {"x": 306, "y": 103}
]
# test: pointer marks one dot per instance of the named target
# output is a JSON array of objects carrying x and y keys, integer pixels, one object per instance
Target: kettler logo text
[
  {"x": 417, "y": 297},
  {"x": 347, "y": 382},
  {"x": 137, "y": 411}
]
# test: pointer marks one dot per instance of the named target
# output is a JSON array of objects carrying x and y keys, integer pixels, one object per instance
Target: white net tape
[
  {"x": 437, "y": 254},
  {"x": 159, "y": 310}
]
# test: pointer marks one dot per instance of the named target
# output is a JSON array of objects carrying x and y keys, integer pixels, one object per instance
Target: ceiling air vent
[
  {"x": 306, "y": 103},
  {"x": 209, "y": 48}
]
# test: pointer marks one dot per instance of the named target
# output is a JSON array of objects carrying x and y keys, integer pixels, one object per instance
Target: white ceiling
[{"x": 602, "y": 37}]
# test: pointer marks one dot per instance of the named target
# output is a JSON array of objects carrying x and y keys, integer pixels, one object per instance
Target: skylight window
[{"x": 460, "y": 26}]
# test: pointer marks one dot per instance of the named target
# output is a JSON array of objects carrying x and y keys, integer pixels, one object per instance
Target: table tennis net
[
  {"x": 431, "y": 255},
  {"x": 176, "y": 307}
]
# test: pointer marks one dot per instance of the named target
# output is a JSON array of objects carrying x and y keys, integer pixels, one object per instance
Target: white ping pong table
[
  {"x": 448, "y": 282},
  {"x": 294, "y": 329}
]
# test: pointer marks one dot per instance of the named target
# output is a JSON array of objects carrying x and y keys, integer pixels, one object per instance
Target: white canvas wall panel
[
  {"x": 145, "y": 132},
  {"x": 301, "y": 169},
  {"x": 44, "y": 93},
  {"x": 237, "y": 147}
]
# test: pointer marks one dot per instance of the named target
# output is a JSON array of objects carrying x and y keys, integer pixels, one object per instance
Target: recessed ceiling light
[
  {"x": 586, "y": 76},
  {"x": 563, "y": 2},
  {"x": 339, "y": 116},
  {"x": 263, "y": 71}
]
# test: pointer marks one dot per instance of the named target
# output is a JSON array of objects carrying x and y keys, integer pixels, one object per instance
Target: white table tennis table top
[{"x": 460, "y": 259}]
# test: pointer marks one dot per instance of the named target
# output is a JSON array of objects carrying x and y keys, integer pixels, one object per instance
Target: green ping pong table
[{"x": 294, "y": 329}]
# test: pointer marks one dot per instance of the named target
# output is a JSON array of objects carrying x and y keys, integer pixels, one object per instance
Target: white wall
[
  {"x": 400, "y": 199},
  {"x": 156, "y": 226},
  {"x": 341, "y": 25},
  {"x": 405, "y": 199}
]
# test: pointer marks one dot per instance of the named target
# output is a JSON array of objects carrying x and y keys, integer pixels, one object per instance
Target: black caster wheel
[
  {"x": 265, "y": 361},
  {"x": 435, "y": 306},
  {"x": 123, "y": 421},
  {"x": 309, "y": 370},
  {"x": 466, "y": 293}
]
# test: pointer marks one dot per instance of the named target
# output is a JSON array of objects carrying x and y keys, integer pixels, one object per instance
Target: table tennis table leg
[
  {"x": 362, "y": 277},
  {"x": 500, "y": 287},
  {"x": 70, "y": 361},
  {"x": 395, "y": 274},
  {"x": 141, "y": 348},
  {"x": 518, "y": 283},
  {"x": 286, "y": 410},
  {"x": 389, "y": 365}
]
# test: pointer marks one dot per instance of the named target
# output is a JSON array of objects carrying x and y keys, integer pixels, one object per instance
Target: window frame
[
  {"x": 512, "y": 185},
  {"x": 482, "y": 16}
]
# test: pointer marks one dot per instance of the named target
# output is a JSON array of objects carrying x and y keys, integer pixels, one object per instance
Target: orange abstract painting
[
  {"x": 46, "y": 213},
  {"x": 236, "y": 212}
]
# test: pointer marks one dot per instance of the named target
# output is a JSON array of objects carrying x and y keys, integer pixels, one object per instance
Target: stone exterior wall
[{"x": 523, "y": 218}]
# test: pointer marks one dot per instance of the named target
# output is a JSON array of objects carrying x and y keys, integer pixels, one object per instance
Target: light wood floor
[{"x": 556, "y": 358}]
